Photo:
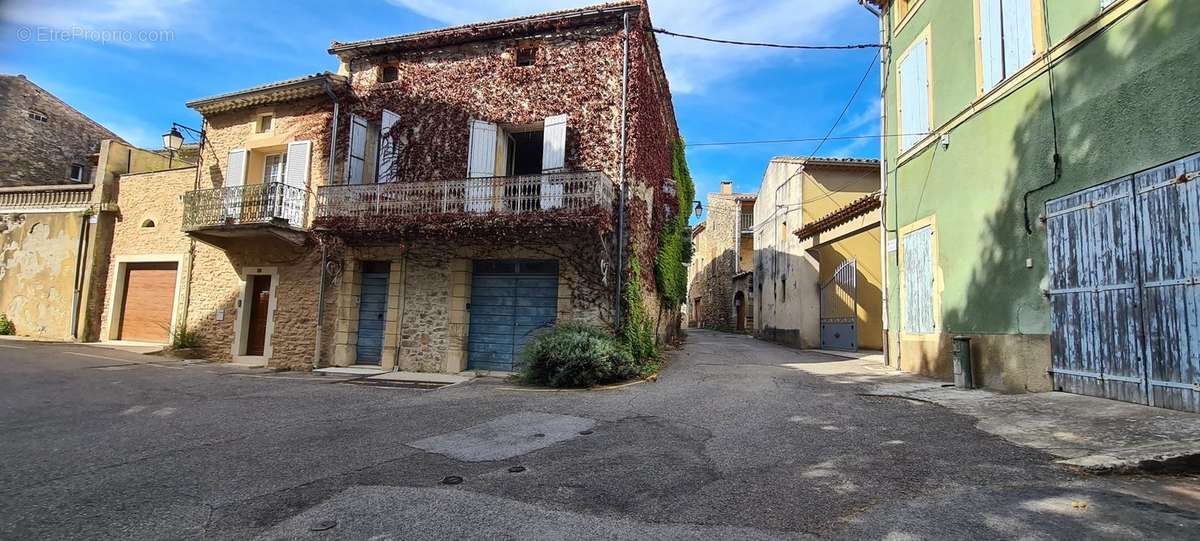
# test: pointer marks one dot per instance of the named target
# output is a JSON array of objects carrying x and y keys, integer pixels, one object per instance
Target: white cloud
[
  {"x": 129, "y": 23},
  {"x": 691, "y": 65}
]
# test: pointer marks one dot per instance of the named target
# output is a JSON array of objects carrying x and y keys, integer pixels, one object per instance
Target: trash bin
[{"x": 964, "y": 376}]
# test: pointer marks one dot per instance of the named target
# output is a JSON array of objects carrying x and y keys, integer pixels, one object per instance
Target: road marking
[{"x": 11, "y": 347}]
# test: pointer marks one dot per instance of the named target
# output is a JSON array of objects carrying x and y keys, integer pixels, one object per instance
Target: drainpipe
[
  {"x": 621, "y": 177},
  {"x": 78, "y": 286},
  {"x": 187, "y": 282},
  {"x": 883, "y": 174},
  {"x": 316, "y": 363}
]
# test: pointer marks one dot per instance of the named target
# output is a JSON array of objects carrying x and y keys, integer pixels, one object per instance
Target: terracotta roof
[
  {"x": 697, "y": 229},
  {"x": 856, "y": 208},
  {"x": 503, "y": 28},
  {"x": 290, "y": 89}
]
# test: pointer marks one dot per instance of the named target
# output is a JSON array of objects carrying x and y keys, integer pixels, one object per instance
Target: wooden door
[
  {"x": 259, "y": 300},
  {"x": 147, "y": 302}
]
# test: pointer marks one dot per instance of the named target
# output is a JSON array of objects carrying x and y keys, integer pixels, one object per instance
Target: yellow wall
[
  {"x": 827, "y": 189},
  {"x": 37, "y": 271},
  {"x": 864, "y": 248}
]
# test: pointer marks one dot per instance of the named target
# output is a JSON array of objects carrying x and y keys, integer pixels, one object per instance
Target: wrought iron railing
[
  {"x": 273, "y": 202},
  {"x": 527, "y": 193},
  {"x": 45, "y": 197}
]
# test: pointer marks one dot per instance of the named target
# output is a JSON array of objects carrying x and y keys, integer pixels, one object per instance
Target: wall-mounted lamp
[
  {"x": 173, "y": 140},
  {"x": 699, "y": 209}
]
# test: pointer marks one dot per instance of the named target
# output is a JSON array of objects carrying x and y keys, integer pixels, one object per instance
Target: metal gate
[
  {"x": 839, "y": 308},
  {"x": 1125, "y": 288}
]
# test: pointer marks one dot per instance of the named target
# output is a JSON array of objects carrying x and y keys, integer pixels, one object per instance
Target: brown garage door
[{"x": 149, "y": 298}]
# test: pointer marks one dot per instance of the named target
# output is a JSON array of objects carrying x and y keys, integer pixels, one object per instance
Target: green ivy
[
  {"x": 638, "y": 331},
  {"x": 674, "y": 241}
]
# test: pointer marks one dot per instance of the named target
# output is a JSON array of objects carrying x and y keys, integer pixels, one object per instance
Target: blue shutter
[
  {"x": 918, "y": 281},
  {"x": 991, "y": 43},
  {"x": 914, "y": 95},
  {"x": 1018, "y": 34}
]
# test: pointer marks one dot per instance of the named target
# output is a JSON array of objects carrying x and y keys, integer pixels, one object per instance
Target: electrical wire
[
  {"x": 801, "y": 140},
  {"x": 762, "y": 44}
]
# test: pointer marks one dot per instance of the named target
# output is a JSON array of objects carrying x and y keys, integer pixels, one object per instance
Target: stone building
[
  {"x": 46, "y": 141},
  {"x": 719, "y": 292},
  {"x": 439, "y": 200},
  {"x": 57, "y": 210}
]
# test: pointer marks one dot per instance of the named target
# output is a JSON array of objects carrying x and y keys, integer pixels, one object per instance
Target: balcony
[
  {"x": 504, "y": 195},
  {"x": 222, "y": 216},
  {"x": 747, "y": 223}
]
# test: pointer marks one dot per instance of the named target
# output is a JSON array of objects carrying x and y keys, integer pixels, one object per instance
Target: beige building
[
  {"x": 721, "y": 272},
  {"x": 814, "y": 218}
]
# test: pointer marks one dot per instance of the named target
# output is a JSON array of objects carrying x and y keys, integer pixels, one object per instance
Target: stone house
[
  {"x": 57, "y": 210},
  {"x": 720, "y": 295},
  {"x": 439, "y": 200}
]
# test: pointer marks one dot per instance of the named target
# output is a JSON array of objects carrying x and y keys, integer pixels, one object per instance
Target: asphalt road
[{"x": 730, "y": 443}]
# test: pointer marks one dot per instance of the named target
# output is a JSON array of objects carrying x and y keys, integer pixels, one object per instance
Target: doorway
[
  {"x": 372, "y": 312},
  {"x": 259, "y": 298}
]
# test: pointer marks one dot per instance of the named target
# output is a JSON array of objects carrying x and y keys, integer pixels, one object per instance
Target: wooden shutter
[
  {"x": 296, "y": 173},
  {"x": 358, "y": 150},
  {"x": 914, "y": 94},
  {"x": 385, "y": 170},
  {"x": 1018, "y": 34},
  {"x": 991, "y": 43},
  {"x": 554, "y": 144},
  {"x": 235, "y": 169},
  {"x": 554, "y": 159},
  {"x": 481, "y": 162},
  {"x": 918, "y": 281}
]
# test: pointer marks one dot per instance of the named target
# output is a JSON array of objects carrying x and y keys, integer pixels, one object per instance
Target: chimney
[{"x": 726, "y": 187}]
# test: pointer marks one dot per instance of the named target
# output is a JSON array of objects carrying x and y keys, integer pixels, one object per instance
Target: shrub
[
  {"x": 577, "y": 355},
  {"x": 6, "y": 326},
  {"x": 184, "y": 339}
]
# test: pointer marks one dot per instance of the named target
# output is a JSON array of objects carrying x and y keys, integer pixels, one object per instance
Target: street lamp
[
  {"x": 172, "y": 140},
  {"x": 699, "y": 208}
]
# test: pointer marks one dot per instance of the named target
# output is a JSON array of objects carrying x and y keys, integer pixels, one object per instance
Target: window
[
  {"x": 148, "y": 224},
  {"x": 77, "y": 172},
  {"x": 526, "y": 55},
  {"x": 1006, "y": 41},
  {"x": 917, "y": 281},
  {"x": 914, "y": 93},
  {"x": 38, "y": 116},
  {"x": 265, "y": 123},
  {"x": 273, "y": 168},
  {"x": 389, "y": 74}
]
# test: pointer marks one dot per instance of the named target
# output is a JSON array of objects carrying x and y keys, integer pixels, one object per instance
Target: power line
[
  {"x": 771, "y": 45},
  {"x": 800, "y": 140},
  {"x": 853, "y": 96}
]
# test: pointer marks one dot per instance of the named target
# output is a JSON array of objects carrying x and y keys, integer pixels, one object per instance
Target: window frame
[
  {"x": 82, "y": 172},
  {"x": 1037, "y": 16},
  {"x": 282, "y": 173},
  {"x": 36, "y": 115},
  {"x": 905, "y": 9},
  {"x": 927, "y": 36},
  {"x": 258, "y": 122}
]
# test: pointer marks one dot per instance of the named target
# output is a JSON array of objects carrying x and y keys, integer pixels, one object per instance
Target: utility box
[{"x": 964, "y": 375}]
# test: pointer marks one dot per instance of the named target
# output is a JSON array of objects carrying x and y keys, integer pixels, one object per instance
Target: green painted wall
[{"x": 1126, "y": 100}]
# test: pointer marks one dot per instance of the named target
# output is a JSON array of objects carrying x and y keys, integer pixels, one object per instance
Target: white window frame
[
  {"x": 280, "y": 172},
  {"x": 1037, "y": 27},
  {"x": 82, "y": 172}
]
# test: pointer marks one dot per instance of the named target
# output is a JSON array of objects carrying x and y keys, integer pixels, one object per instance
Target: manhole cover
[
  {"x": 451, "y": 480},
  {"x": 323, "y": 525}
]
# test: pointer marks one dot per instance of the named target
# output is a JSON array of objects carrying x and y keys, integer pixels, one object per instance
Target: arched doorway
[{"x": 739, "y": 306}]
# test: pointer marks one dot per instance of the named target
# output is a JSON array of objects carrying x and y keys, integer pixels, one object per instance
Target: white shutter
[
  {"x": 554, "y": 144},
  {"x": 554, "y": 159},
  {"x": 991, "y": 43},
  {"x": 358, "y": 150},
  {"x": 235, "y": 169},
  {"x": 481, "y": 162},
  {"x": 235, "y": 176},
  {"x": 1018, "y": 34},
  {"x": 385, "y": 169},
  {"x": 914, "y": 89},
  {"x": 296, "y": 173},
  {"x": 918, "y": 279}
]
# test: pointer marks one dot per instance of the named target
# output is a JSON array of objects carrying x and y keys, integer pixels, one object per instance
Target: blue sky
[{"x": 131, "y": 64}]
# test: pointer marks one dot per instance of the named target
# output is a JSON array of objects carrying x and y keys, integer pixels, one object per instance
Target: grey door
[
  {"x": 839, "y": 308},
  {"x": 1125, "y": 303},
  {"x": 511, "y": 301},
  {"x": 372, "y": 309}
]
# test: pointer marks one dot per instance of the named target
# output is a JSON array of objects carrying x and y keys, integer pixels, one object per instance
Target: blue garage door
[
  {"x": 510, "y": 302},
  {"x": 372, "y": 308}
]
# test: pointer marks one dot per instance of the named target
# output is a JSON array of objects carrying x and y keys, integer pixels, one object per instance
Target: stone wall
[
  {"x": 712, "y": 281},
  {"x": 35, "y": 151},
  {"x": 37, "y": 271},
  {"x": 301, "y": 120}
]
